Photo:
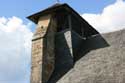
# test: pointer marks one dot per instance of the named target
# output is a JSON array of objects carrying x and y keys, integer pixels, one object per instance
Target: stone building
[{"x": 62, "y": 45}]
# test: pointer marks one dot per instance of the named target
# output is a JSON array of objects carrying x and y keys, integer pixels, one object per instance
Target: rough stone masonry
[{"x": 43, "y": 50}]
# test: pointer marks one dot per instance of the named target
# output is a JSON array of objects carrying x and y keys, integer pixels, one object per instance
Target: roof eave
[{"x": 34, "y": 17}]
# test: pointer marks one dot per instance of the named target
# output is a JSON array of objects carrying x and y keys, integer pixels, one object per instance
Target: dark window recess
[
  {"x": 89, "y": 30},
  {"x": 81, "y": 27},
  {"x": 62, "y": 22},
  {"x": 77, "y": 25}
]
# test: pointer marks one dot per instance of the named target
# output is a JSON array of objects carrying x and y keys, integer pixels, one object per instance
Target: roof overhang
[{"x": 52, "y": 9}]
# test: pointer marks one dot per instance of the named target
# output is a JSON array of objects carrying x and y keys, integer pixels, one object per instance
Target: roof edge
[{"x": 35, "y": 16}]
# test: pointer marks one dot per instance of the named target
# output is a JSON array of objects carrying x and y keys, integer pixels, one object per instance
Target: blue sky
[
  {"x": 23, "y": 8},
  {"x": 16, "y": 30}
]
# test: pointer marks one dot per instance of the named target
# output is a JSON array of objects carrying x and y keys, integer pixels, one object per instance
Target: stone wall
[
  {"x": 48, "y": 64},
  {"x": 36, "y": 61},
  {"x": 43, "y": 50}
]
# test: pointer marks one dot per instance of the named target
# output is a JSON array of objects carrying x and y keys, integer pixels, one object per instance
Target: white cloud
[
  {"x": 15, "y": 50},
  {"x": 111, "y": 19}
]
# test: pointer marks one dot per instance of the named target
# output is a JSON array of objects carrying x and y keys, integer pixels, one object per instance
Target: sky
[{"x": 16, "y": 30}]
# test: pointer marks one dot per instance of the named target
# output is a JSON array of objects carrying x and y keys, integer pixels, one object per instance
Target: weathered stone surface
[
  {"x": 42, "y": 26},
  {"x": 43, "y": 55},
  {"x": 49, "y": 52},
  {"x": 101, "y": 63},
  {"x": 36, "y": 61}
]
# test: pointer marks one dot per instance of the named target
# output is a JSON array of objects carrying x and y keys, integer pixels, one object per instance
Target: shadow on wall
[
  {"x": 92, "y": 43},
  {"x": 64, "y": 60}
]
